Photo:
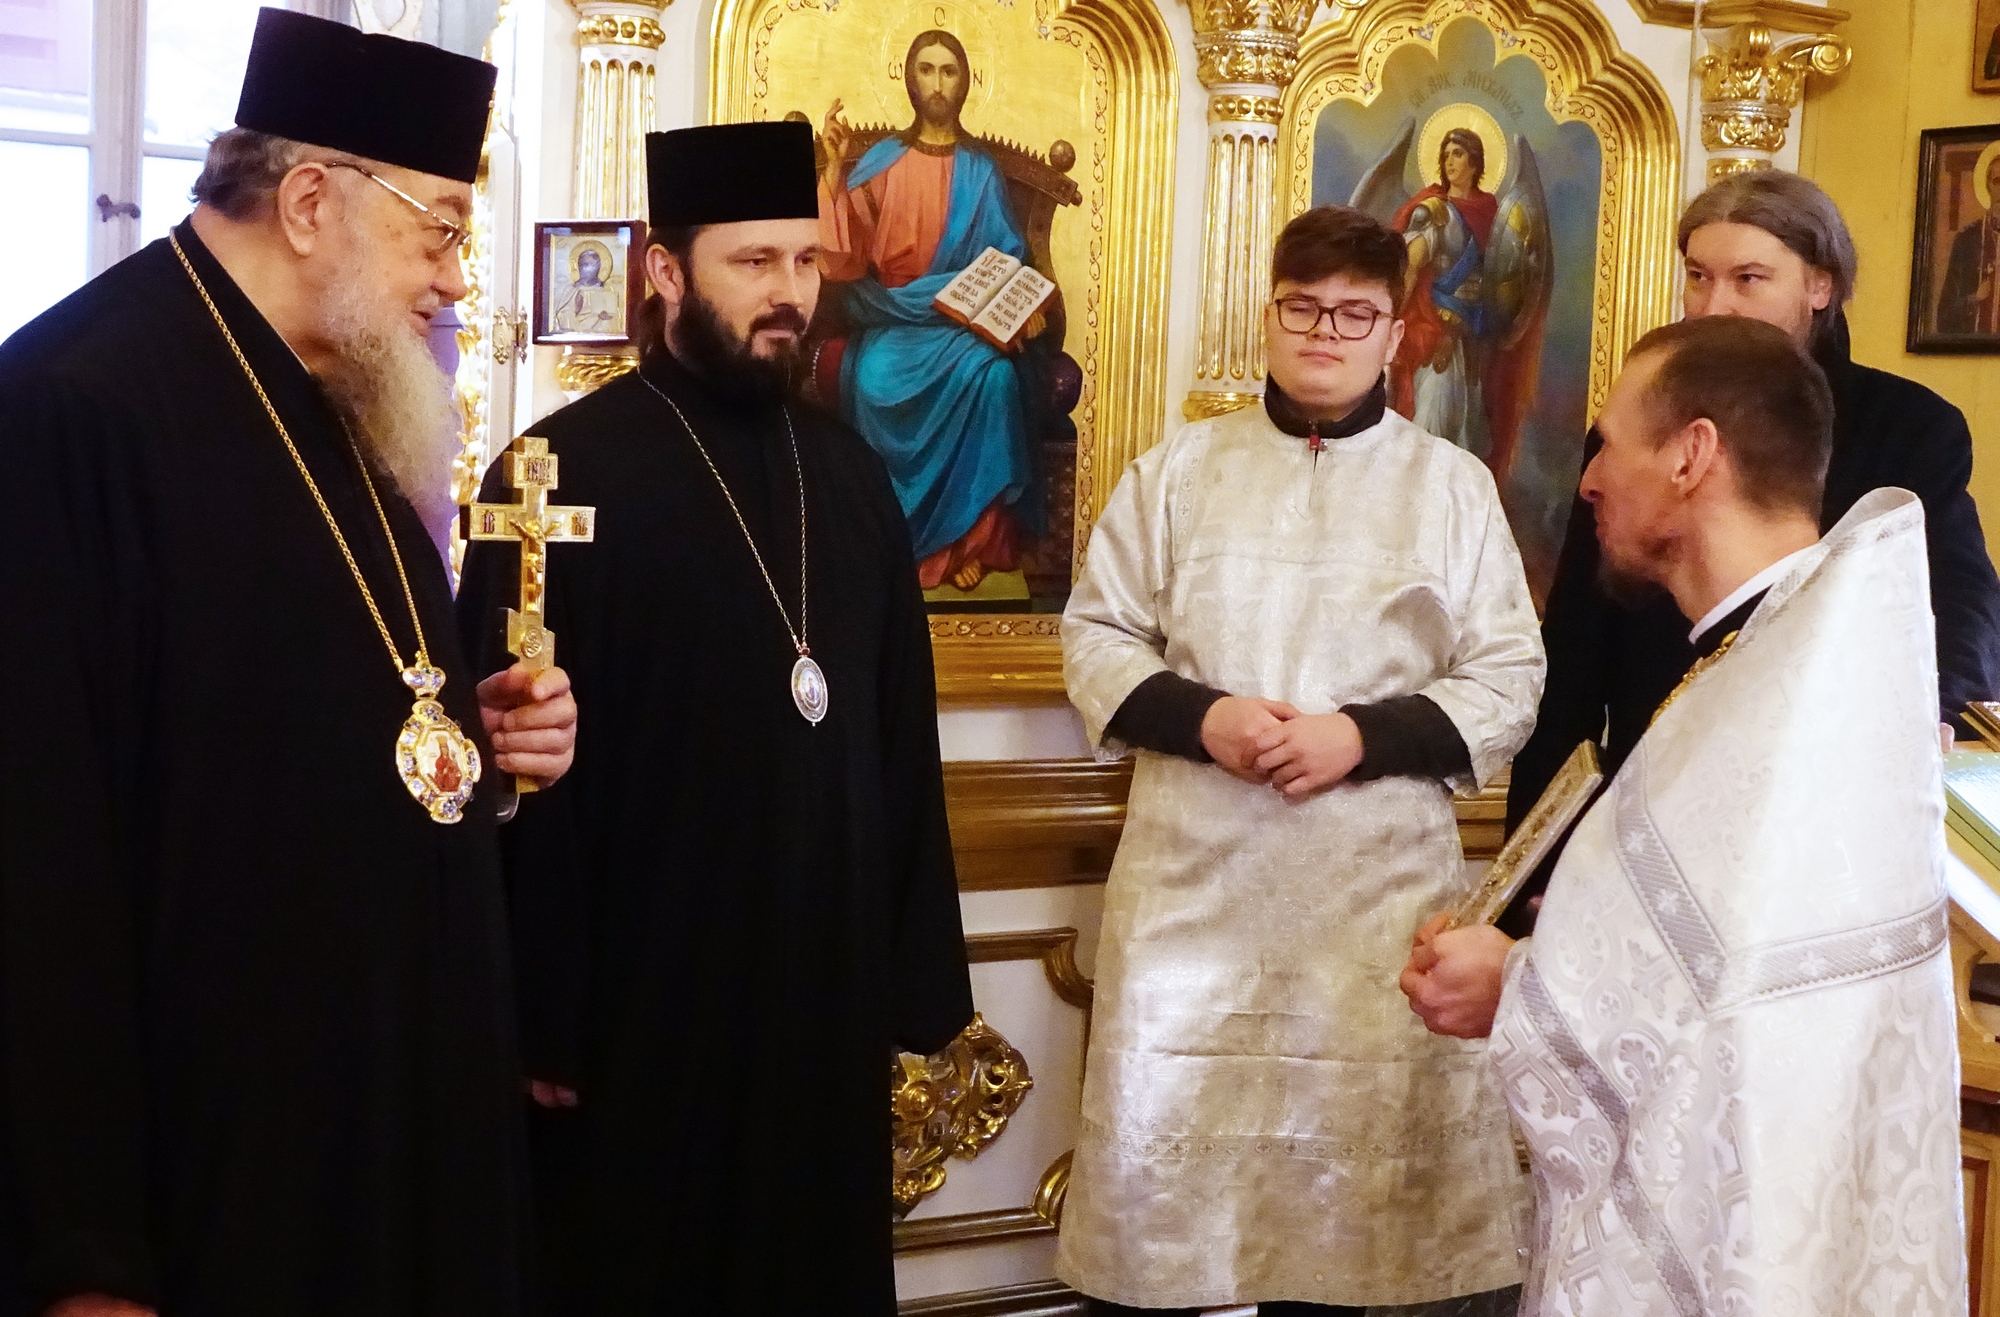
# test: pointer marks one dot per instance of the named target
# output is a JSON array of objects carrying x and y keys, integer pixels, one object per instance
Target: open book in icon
[{"x": 995, "y": 297}]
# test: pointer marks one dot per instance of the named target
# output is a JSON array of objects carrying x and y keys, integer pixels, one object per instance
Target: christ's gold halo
[
  {"x": 1979, "y": 172},
  {"x": 1464, "y": 114},
  {"x": 603, "y": 260}
]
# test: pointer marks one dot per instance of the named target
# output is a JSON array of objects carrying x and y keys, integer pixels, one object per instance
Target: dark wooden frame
[
  {"x": 1985, "y": 39},
  {"x": 1925, "y": 256},
  {"x": 605, "y": 231}
]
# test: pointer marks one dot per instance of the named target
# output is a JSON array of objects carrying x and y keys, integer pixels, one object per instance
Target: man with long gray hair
[
  {"x": 253, "y": 999},
  {"x": 1772, "y": 246}
]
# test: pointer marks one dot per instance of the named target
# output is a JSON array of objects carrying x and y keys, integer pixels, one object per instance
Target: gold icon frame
[
  {"x": 1118, "y": 321},
  {"x": 1590, "y": 80}
]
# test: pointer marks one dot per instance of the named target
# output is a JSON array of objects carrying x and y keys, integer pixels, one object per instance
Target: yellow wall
[{"x": 1911, "y": 71}]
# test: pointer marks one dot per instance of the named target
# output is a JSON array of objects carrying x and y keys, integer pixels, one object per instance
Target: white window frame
[{"x": 116, "y": 140}]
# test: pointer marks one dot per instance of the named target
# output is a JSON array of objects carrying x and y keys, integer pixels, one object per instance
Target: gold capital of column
[{"x": 1754, "y": 76}]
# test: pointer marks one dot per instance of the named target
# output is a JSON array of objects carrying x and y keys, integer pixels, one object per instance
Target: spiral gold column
[
  {"x": 618, "y": 47},
  {"x": 1246, "y": 52}
]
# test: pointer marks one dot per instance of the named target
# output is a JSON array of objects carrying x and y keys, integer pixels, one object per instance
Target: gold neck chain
[
  {"x": 1701, "y": 665},
  {"x": 798, "y": 636},
  {"x": 420, "y": 668}
]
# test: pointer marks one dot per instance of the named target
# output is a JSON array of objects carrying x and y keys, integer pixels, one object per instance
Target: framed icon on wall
[{"x": 590, "y": 280}]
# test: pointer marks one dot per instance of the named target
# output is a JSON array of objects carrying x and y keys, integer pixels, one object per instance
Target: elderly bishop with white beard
[{"x": 259, "y": 1055}]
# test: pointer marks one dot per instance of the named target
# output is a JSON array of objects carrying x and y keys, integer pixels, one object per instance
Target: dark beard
[
  {"x": 938, "y": 112},
  {"x": 724, "y": 362},
  {"x": 1625, "y": 588}
]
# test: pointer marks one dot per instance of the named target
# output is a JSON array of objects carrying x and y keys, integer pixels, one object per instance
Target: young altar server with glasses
[{"x": 1310, "y": 621}]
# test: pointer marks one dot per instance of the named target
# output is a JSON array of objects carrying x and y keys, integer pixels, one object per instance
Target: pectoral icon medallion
[{"x": 435, "y": 758}]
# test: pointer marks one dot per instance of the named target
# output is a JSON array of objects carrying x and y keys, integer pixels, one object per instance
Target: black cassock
[
  {"x": 1610, "y": 666},
  {"x": 256, "y": 1045},
  {"x": 725, "y": 917}
]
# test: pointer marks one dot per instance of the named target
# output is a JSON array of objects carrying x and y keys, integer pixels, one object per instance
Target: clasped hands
[{"x": 1271, "y": 743}]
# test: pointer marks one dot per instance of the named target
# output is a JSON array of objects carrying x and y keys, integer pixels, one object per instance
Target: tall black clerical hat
[
  {"x": 401, "y": 102},
  {"x": 730, "y": 172}
]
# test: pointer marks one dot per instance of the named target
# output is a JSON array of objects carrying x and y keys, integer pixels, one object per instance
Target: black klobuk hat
[
  {"x": 727, "y": 173},
  {"x": 400, "y": 102}
]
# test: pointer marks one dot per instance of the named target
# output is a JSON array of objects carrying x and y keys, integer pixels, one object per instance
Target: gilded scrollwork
[
  {"x": 1752, "y": 64},
  {"x": 580, "y": 372},
  {"x": 1244, "y": 109},
  {"x": 612, "y": 30},
  {"x": 1203, "y": 405},
  {"x": 1233, "y": 58},
  {"x": 953, "y": 1103},
  {"x": 1744, "y": 125},
  {"x": 1752, "y": 79}
]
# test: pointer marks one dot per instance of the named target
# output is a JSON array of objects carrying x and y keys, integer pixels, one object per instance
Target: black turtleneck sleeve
[
  {"x": 1409, "y": 736},
  {"x": 1163, "y": 713}
]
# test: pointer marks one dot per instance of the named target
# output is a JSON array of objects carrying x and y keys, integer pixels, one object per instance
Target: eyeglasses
[
  {"x": 1351, "y": 320},
  {"x": 455, "y": 235}
]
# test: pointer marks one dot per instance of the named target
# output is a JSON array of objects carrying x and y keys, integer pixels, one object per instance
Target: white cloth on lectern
[
  {"x": 1731, "y": 1043},
  {"x": 1263, "y": 1117}
]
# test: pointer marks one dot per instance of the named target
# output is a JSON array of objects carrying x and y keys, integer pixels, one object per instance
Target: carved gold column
[
  {"x": 1246, "y": 52},
  {"x": 618, "y": 45},
  {"x": 1753, "y": 76}
]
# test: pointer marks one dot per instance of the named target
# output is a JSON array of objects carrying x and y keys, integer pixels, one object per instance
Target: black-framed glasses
[
  {"x": 1351, "y": 320},
  {"x": 455, "y": 235}
]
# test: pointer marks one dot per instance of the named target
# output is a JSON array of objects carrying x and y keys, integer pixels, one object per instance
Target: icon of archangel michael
[{"x": 1482, "y": 265}]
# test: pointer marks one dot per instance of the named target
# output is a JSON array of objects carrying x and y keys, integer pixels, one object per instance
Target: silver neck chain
[{"x": 798, "y": 635}]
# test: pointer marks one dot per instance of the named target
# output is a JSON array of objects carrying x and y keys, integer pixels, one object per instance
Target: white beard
[{"x": 389, "y": 389}]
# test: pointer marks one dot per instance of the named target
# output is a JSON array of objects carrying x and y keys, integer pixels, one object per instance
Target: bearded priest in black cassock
[
  {"x": 743, "y": 897},
  {"x": 255, "y": 1023}
]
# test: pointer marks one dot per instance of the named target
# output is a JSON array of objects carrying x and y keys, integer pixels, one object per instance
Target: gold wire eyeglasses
[
  {"x": 1351, "y": 320},
  {"x": 455, "y": 235}
]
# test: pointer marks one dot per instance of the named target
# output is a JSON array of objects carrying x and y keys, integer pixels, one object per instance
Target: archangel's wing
[
  {"x": 1519, "y": 276},
  {"x": 1520, "y": 257},
  {"x": 1381, "y": 191}
]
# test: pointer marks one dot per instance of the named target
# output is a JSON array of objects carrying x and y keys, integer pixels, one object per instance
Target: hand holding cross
[{"x": 531, "y": 522}]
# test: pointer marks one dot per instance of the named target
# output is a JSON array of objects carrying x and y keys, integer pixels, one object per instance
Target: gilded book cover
[
  {"x": 1561, "y": 805},
  {"x": 1972, "y": 799}
]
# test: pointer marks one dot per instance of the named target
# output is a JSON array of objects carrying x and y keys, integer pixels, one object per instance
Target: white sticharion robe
[
  {"x": 1263, "y": 1117},
  {"x": 1731, "y": 1043}
]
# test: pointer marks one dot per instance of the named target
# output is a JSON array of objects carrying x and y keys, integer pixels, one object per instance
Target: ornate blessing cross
[{"x": 530, "y": 522}]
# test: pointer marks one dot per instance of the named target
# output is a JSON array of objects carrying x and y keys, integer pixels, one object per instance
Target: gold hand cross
[{"x": 532, "y": 523}]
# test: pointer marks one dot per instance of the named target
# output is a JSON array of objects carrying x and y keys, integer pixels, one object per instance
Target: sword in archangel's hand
[
  {"x": 1561, "y": 805},
  {"x": 530, "y": 522}
]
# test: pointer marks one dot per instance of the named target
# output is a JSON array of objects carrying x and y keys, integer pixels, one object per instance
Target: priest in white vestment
[
  {"x": 1310, "y": 620},
  {"x": 1730, "y": 1043}
]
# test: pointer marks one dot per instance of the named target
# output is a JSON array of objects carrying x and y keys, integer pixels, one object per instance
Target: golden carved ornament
[
  {"x": 1751, "y": 64},
  {"x": 1244, "y": 109},
  {"x": 1779, "y": 15},
  {"x": 480, "y": 321},
  {"x": 1744, "y": 126},
  {"x": 1204, "y": 404},
  {"x": 1053, "y": 1190},
  {"x": 611, "y": 30},
  {"x": 1727, "y": 166},
  {"x": 1292, "y": 17},
  {"x": 581, "y": 372},
  {"x": 951, "y": 1104},
  {"x": 1591, "y": 80},
  {"x": 1266, "y": 58}
]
